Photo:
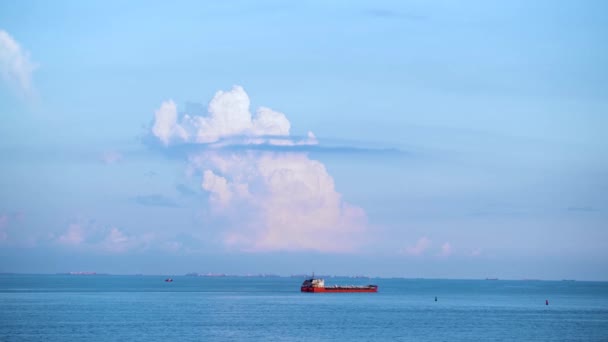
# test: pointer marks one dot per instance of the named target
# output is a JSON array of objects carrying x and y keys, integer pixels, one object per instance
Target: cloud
[
  {"x": 268, "y": 199},
  {"x": 93, "y": 237},
  {"x": 419, "y": 248},
  {"x": 274, "y": 144},
  {"x": 171, "y": 246},
  {"x": 116, "y": 241},
  {"x": 111, "y": 157},
  {"x": 75, "y": 235},
  {"x": 15, "y": 65},
  {"x": 218, "y": 186},
  {"x": 279, "y": 201},
  {"x": 476, "y": 252},
  {"x": 165, "y": 125},
  {"x": 446, "y": 249},
  {"x": 228, "y": 119},
  {"x": 156, "y": 200}
]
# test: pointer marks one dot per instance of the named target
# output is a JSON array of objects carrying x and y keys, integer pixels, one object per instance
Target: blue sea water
[{"x": 145, "y": 308}]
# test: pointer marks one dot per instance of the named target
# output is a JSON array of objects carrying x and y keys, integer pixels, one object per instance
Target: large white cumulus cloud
[
  {"x": 228, "y": 117},
  {"x": 268, "y": 200}
]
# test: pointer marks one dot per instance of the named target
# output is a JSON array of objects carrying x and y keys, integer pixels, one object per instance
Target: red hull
[{"x": 339, "y": 289}]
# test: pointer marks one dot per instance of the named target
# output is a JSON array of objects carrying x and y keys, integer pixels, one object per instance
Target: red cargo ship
[{"x": 318, "y": 285}]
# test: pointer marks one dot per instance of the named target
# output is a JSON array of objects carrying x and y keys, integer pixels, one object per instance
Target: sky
[{"x": 420, "y": 139}]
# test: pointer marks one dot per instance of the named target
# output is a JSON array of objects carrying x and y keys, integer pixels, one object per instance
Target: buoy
[
  {"x": 435, "y": 298},
  {"x": 546, "y": 302}
]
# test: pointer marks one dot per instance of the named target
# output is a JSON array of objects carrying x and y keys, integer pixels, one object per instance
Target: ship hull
[{"x": 339, "y": 289}]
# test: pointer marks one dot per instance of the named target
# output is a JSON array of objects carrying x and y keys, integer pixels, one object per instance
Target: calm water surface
[{"x": 145, "y": 308}]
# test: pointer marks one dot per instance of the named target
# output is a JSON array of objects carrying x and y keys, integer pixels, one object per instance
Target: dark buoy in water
[
  {"x": 435, "y": 298},
  {"x": 546, "y": 302}
]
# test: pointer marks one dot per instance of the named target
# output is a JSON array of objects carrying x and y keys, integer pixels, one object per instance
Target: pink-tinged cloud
[
  {"x": 96, "y": 238},
  {"x": 446, "y": 249},
  {"x": 75, "y": 235},
  {"x": 218, "y": 187},
  {"x": 271, "y": 200},
  {"x": 279, "y": 201},
  {"x": 116, "y": 241},
  {"x": 420, "y": 247},
  {"x": 476, "y": 252},
  {"x": 111, "y": 157}
]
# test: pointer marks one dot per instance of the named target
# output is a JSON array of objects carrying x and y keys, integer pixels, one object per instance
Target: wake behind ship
[{"x": 318, "y": 285}]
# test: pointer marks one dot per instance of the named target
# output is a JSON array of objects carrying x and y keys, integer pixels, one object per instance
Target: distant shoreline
[{"x": 299, "y": 276}]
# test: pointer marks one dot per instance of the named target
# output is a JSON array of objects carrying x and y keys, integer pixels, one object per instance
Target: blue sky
[{"x": 460, "y": 140}]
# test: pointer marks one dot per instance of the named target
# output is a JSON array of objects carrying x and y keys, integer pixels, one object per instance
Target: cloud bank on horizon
[
  {"x": 424, "y": 244},
  {"x": 272, "y": 200},
  {"x": 96, "y": 238},
  {"x": 15, "y": 65}
]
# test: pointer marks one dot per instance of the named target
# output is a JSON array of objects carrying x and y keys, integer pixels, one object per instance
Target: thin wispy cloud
[
  {"x": 111, "y": 157},
  {"x": 421, "y": 246},
  {"x": 117, "y": 241},
  {"x": 74, "y": 235},
  {"x": 446, "y": 249},
  {"x": 16, "y": 67},
  {"x": 182, "y": 150}
]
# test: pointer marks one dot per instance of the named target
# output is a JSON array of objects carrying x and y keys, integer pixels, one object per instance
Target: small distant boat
[
  {"x": 318, "y": 285},
  {"x": 491, "y": 278},
  {"x": 169, "y": 280}
]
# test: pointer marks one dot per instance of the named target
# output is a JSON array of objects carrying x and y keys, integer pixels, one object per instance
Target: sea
[{"x": 146, "y": 308}]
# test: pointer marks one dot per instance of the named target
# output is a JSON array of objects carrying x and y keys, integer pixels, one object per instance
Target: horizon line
[{"x": 273, "y": 275}]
